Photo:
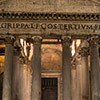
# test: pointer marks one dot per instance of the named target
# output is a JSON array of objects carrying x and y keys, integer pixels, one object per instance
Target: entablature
[{"x": 50, "y": 16}]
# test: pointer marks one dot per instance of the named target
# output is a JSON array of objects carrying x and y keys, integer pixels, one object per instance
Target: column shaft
[
  {"x": 66, "y": 70},
  {"x": 78, "y": 78},
  {"x": 7, "y": 81},
  {"x": 85, "y": 78},
  {"x": 15, "y": 74},
  {"x": 85, "y": 72},
  {"x": 25, "y": 82},
  {"x": 95, "y": 70},
  {"x": 74, "y": 85},
  {"x": 36, "y": 68}
]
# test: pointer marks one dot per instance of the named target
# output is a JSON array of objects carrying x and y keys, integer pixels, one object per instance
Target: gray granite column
[
  {"x": 36, "y": 69},
  {"x": 78, "y": 78},
  {"x": 15, "y": 78},
  {"x": 74, "y": 81},
  {"x": 85, "y": 73},
  {"x": 95, "y": 68},
  {"x": 7, "y": 81},
  {"x": 66, "y": 69}
]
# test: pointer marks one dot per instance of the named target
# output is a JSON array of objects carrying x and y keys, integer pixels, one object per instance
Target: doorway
[{"x": 49, "y": 89}]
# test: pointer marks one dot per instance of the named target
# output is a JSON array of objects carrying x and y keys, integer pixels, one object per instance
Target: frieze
[
  {"x": 49, "y": 23},
  {"x": 46, "y": 27},
  {"x": 50, "y": 16}
]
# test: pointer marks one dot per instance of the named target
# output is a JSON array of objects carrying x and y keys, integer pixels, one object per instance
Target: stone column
[
  {"x": 7, "y": 81},
  {"x": 85, "y": 73},
  {"x": 78, "y": 78},
  {"x": 66, "y": 69},
  {"x": 74, "y": 82},
  {"x": 95, "y": 68},
  {"x": 15, "y": 78},
  {"x": 36, "y": 69}
]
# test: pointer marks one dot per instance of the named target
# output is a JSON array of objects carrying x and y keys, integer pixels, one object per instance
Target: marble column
[
  {"x": 85, "y": 73},
  {"x": 95, "y": 68},
  {"x": 15, "y": 78},
  {"x": 7, "y": 81},
  {"x": 36, "y": 69},
  {"x": 66, "y": 69}
]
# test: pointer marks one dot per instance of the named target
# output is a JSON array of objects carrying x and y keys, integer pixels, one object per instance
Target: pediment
[
  {"x": 51, "y": 5},
  {"x": 3, "y": 4}
]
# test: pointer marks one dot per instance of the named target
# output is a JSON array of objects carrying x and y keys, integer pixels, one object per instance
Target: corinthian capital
[
  {"x": 9, "y": 40},
  {"x": 84, "y": 52},
  {"x": 66, "y": 39},
  {"x": 94, "y": 40},
  {"x": 36, "y": 39}
]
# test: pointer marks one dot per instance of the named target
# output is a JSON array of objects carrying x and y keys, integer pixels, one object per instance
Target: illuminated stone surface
[{"x": 51, "y": 5}]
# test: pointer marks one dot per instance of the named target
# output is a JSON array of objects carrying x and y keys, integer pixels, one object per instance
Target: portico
[{"x": 61, "y": 28}]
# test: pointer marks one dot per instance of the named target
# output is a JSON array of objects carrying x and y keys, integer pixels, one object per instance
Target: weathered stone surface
[
  {"x": 51, "y": 5},
  {"x": 24, "y": 83},
  {"x": 7, "y": 81},
  {"x": 36, "y": 69},
  {"x": 51, "y": 58}
]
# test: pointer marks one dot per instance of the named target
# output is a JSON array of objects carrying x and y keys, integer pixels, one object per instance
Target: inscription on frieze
[{"x": 46, "y": 28}]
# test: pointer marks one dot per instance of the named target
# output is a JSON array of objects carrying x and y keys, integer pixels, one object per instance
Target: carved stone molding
[
  {"x": 84, "y": 52},
  {"x": 50, "y": 16}
]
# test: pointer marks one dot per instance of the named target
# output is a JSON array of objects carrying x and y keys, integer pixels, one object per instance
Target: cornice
[{"x": 50, "y": 16}]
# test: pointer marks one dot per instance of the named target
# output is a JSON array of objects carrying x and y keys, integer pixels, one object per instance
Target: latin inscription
[{"x": 51, "y": 27}]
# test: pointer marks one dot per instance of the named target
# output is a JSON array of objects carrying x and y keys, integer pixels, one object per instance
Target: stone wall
[
  {"x": 51, "y": 5},
  {"x": 51, "y": 58}
]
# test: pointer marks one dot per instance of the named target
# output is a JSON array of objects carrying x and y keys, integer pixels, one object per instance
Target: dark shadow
[
  {"x": 49, "y": 89},
  {"x": 1, "y": 85}
]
